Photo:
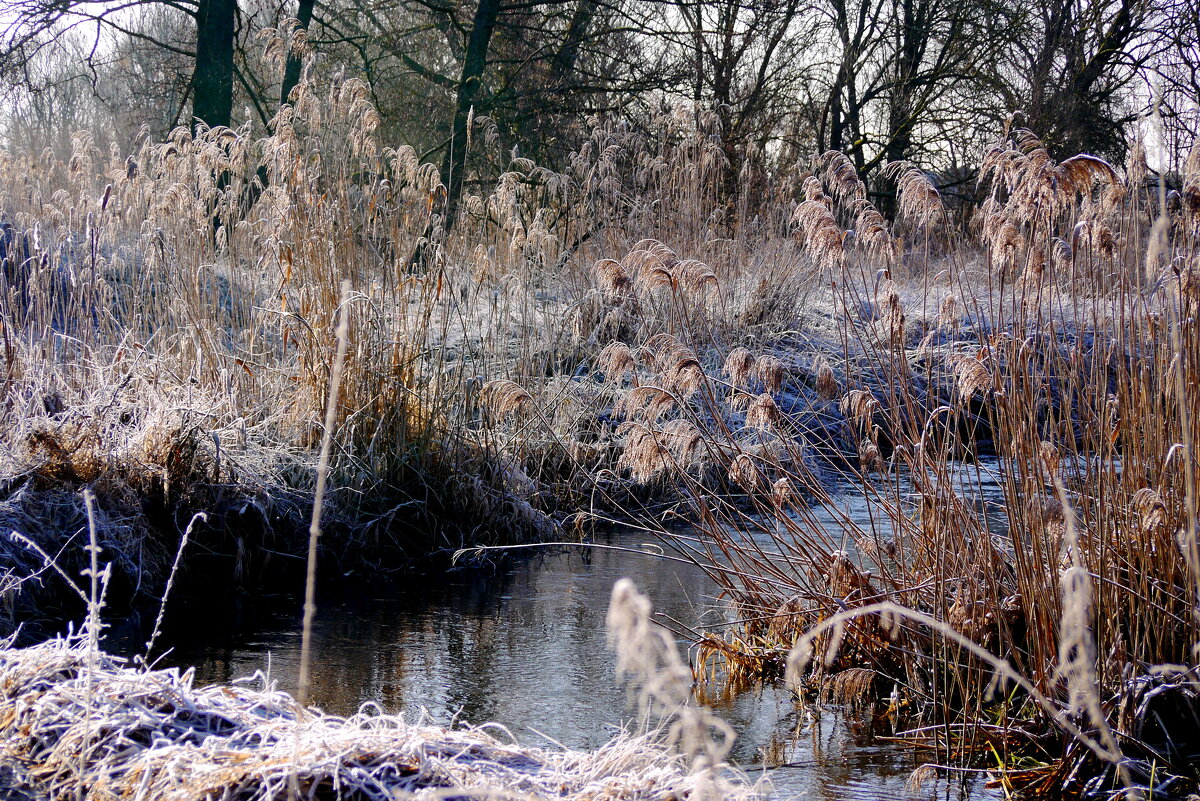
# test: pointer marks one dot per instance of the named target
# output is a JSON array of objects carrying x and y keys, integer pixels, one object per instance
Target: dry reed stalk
[
  {"x": 646, "y": 652},
  {"x": 162, "y": 602},
  {"x": 314, "y": 531}
]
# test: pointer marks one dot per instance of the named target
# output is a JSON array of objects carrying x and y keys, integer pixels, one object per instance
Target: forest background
[{"x": 929, "y": 81}]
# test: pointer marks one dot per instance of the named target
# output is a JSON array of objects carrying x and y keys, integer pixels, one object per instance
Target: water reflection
[{"x": 525, "y": 646}]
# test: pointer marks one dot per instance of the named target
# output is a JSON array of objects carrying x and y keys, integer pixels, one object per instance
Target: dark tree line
[{"x": 881, "y": 80}]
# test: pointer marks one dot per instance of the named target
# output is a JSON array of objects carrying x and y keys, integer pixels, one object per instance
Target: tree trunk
[
  {"x": 212, "y": 81},
  {"x": 474, "y": 62},
  {"x": 577, "y": 32},
  {"x": 291, "y": 73}
]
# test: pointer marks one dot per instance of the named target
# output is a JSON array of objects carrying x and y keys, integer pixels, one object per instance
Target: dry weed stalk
[
  {"x": 314, "y": 531},
  {"x": 646, "y": 653}
]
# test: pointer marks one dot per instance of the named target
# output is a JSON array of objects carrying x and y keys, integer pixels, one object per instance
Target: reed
[{"x": 1069, "y": 381}]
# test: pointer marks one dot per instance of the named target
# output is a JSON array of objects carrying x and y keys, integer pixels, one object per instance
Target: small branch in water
[
  {"x": 658, "y": 553},
  {"x": 162, "y": 605}
]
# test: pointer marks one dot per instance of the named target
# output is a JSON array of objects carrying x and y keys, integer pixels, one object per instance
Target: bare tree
[
  {"x": 531, "y": 70},
  {"x": 1072, "y": 66},
  {"x": 745, "y": 60},
  {"x": 34, "y": 26}
]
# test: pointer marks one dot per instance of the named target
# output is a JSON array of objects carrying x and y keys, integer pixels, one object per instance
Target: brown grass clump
[{"x": 67, "y": 452}]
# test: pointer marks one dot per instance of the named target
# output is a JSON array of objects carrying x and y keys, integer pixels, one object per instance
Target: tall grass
[
  {"x": 1060, "y": 343},
  {"x": 167, "y": 317}
]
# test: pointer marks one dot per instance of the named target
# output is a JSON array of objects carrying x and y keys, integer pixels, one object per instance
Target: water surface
[{"x": 524, "y": 645}]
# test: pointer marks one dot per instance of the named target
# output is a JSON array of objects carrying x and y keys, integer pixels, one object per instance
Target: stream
[{"x": 523, "y": 644}]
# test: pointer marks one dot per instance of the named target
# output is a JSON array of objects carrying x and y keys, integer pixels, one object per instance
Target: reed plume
[
  {"x": 826, "y": 382},
  {"x": 739, "y": 365},
  {"x": 859, "y": 406},
  {"x": 616, "y": 362},
  {"x": 819, "y": 233},
  {"x": 503, "y": 397},
  {"x": 841, "y": 175},
  {"x": 918, "y": 199},
  {"x": 763, "y": 413},
  {"x": 645, "y": 455},
  {"x": 645, "y": 402},
  {"x": 769, "y": 371}
]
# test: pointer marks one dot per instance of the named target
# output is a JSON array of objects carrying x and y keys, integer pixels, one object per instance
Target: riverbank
[{"x": 73, "y": 722}]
